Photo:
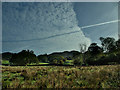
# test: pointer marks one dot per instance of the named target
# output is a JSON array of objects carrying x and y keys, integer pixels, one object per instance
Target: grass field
[
  {"x": 106, "y": 76},
  {"x": 5, "y": 62},
  {"x": 68, "y": 62}
]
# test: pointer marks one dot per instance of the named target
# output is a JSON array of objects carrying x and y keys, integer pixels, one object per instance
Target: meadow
[{"x": 106, "y": 76}]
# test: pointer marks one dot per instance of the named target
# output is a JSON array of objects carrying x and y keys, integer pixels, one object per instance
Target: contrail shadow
[
  {"x": 44, "y": 38},
  {"x": 57, "y": 35}
]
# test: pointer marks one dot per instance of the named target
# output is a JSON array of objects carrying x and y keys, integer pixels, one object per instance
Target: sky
[{"x": 56, "y": 26}]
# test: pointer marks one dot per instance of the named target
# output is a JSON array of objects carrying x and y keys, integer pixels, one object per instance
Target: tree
[
  {"x": 54, "y": 56},
  {"x": 43, "y": 58},
  {"x": 108, "y": 44},
  {"x": 54, "y": 62},
  {"x": 118, "y": 44},
  {"x": 23, "y": 58},
  {"x": 94, "y": 49},
  {"x": 61, "y": 62},
  {"x": 83, "y": 48},
  {"x": 6, "y": 56},
  {"x": 78, "y": 60},
  {"x": 93, "y": 54}
]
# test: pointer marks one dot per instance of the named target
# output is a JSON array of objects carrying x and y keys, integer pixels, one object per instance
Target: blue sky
[
  {"x": 93, "y": 12},
  {"x": 55, "y": 27}
]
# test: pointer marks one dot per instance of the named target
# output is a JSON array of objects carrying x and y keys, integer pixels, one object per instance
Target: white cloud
[{"x": 25, "y": 21}]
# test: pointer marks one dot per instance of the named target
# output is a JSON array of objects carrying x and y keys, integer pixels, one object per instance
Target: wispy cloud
[
  {"x": 29, "y": 24},
  {"x": 57, "y": 35}
]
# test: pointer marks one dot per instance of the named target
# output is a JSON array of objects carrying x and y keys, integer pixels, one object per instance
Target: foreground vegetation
[{"x": 106, "y": 76}]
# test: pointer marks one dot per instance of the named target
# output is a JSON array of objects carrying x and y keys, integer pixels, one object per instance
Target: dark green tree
[
  {"x": 78, "y": 60},
  {"x": 55, "y": 57},
  {"x": 94, "y": 49},
  {"x": 61, "y": 62},
  {"x": 108, "y": 44},
  {"x": 54, "y": 62},
  {"x": 118, "y": 44},
  {"x": 43, "y": 58},
  {"x": 23, "y": 58}
]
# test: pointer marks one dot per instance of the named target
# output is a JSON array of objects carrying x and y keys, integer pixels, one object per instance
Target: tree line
[{"x": 107, "y": 53}]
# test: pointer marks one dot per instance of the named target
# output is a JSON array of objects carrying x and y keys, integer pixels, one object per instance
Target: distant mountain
[
  {"x": 66, "y": 54},
  {"x": 69, "y": 55}
]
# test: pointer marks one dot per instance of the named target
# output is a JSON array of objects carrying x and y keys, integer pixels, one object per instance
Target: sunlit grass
[
  {"x": 106, "y": 76},
  {"x": 5, "y": 62},
  {"x": 69, "y": 62},
  {"x": 43, "y": 63}
]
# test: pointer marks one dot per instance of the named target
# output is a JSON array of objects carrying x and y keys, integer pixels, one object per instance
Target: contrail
[
  {"x": 57, "y": 35},
  {"x": 99, "y": 24}
]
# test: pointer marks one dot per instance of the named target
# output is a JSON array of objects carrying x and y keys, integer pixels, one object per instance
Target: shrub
[{"x": 78, "y": 61}]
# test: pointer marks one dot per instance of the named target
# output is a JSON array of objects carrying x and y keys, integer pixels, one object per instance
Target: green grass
[
  {"x": 106, "y": 76},
  {"x": 43, "y": 63},
  {"x": 69, "y": 62},
  {"x": 5, "y": 62}
]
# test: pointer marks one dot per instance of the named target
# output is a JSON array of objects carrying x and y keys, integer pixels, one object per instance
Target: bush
[
  {"x": 53, "y": 57},
  {"x": 54, "y": 62},
  {"x": 78, "y": 60},
  {"x": 61, "y": 62}
]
